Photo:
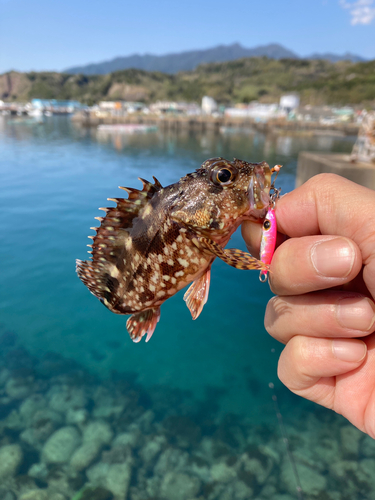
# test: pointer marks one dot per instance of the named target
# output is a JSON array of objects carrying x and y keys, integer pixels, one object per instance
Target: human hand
[{"x": 323, "y": 276}]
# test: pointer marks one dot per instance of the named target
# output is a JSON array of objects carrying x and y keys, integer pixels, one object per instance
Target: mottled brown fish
[{"x": 158, "y": 240}]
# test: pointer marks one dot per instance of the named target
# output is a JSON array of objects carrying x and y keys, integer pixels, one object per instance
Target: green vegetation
[{"x": 318, "y": 82}]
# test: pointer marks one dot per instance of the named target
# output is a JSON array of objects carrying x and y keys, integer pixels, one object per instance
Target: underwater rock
[
  {"x": 4, "y": 376},
  {"x": 97, "y": 493},
  {"x": 144, "y": 422},
  {"x": 367, "y": 467},
  {"x": 19, "y": 387},
  {"x": 97, "y": 432},
  {"x": 14, "y": 421},
  {"x": 118, "y": 480},
  {"x": 350, "y": 440},
  {"x": 255, "y": 471},
  {"x": 64, "y": 397},
  {"x": 10, "y": 459},
  {"x": 38, "y": 471},
  {"x": 171, "y": 459},
  {"x": 326, "y": 453},
  {"x": 179, "y": 485},
  {"x": 95, "y": 436},
  {"x": 114, "y": 477},
  {"x": 6, "y": 494},
  {"x": 63, "y": 480},
  {"x": 43, "y": 424},
  {"x": 56, "y": 496},
  {"x": 222, "y": 473},
  {"x": 237, "y": 490},
  {"x": 106, "y": 405},
  {"x": 46, "y": 415},
  {"x": 84, "y": 455},
  {"x": 367, "y": 447},
  {"x": 117, "y": 455},
  {"x": 313, "y": 483},
  {"x": 31, "y": 405},
  {"x": 97, "y": 473},
  {"x": 200, "y": 467},
  {"x": 76, "y": 417},
  {"x": 152, "y": 448},
  {"x": 130, "y": 438},
  {"x": 358, "y": 477},
  {"x": 35, "y": 495},
  {"x": 61, "y": 445}
]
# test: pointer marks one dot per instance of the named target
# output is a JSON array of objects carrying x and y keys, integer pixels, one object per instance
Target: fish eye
[
  {"x": 223, "y": 176},
  {"x": 266, "y": 224}
]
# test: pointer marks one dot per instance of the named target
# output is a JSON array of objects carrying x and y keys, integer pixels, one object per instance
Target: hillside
[
  {"x": 189, "y": 60},
  {"x": 183, "y": 61},
  {"x": 242, "y": 80}
]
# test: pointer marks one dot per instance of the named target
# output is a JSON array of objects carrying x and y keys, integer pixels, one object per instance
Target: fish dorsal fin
[{"x": 109, "y": 243}]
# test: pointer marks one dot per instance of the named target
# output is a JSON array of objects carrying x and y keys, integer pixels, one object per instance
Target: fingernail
[
  {"x": 357, "y": 313},
  {"x": 349, "y": 350},
  {"x": 333, "y": 258}
]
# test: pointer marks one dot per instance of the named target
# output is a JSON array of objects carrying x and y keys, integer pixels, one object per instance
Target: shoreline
[{"x": 205, "y": 123}]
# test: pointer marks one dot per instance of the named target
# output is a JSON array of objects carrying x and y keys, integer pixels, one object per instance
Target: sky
[{"x": 56, "y": 34}]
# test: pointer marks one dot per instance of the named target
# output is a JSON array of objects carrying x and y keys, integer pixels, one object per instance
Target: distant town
[{"x": 208, "y": 114}]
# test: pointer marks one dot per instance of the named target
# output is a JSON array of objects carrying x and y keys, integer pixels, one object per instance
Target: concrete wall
[{"x": 310, "y": 164}]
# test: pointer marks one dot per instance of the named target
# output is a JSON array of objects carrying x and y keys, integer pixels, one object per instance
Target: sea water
[{"x": 201, "y": 384}]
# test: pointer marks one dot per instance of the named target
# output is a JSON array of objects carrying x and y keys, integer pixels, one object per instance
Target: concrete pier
[
  {"x": 310, "y": 164},
  {"x": 204, "y": 123}
]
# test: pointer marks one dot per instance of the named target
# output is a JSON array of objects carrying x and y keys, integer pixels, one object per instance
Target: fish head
[{"x": 218, "y": 196}]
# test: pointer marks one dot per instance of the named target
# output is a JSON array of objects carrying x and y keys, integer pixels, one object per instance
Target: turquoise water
[{"x": 213, "y": 372}]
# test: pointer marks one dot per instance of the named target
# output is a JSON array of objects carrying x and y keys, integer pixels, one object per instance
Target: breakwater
[{"x": 211, "y": 123}]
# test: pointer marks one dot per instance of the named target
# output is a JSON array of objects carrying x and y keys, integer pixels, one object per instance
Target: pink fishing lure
[
  {"x": 269, "y": 232},
  {"x": 268, "y": 241}
]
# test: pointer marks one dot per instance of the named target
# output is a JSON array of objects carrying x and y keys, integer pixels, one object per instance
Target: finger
[
  {"x": 327, "y": 314},
  {"x": 302, "y": 265},
  {"x": 252, "y": 234},
  {"x": 330, "y": 204},
  {"x": 308, "y": 366}
]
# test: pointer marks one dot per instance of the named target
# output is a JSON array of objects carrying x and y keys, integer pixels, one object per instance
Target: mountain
[
  {"x": 328, "y": 56},
  {"x": 183, "y": 61},
  {"x": 188, "y": 61}
]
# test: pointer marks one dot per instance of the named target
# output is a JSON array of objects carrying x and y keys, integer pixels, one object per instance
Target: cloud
[{"x": 361, "y": 11}]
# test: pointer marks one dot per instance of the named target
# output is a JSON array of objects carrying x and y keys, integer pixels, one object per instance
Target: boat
[{"x": 127, "y": 128}]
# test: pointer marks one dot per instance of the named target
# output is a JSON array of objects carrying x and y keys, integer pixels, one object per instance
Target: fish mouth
[{"x": 259, "y": 188}]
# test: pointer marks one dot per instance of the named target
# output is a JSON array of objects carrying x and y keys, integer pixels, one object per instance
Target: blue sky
[{"x": 55, "y": 34}]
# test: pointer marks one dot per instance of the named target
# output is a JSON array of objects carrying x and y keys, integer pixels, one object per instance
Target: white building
[
  {"x": 209, "y": 105},
  {"x": 256, "y": 111},
  {"x": 289, "y": 102}
]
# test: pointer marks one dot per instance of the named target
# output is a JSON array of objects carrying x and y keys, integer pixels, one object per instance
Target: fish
[{"x": 160, "y": 239}]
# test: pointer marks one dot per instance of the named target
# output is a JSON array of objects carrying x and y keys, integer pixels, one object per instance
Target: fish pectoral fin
[
  {"x": 197, "y": 294},
  {"x": 232, "y": 256},
  {"x": 143, "y": 322}
]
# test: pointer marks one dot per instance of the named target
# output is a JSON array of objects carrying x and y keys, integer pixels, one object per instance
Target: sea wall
[{"x": 310, "y": 164}]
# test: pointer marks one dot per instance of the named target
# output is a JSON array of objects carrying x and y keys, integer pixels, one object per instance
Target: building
[
  {"x": 175, "y": 108},
  {"x": 256, "y": 111},
  {"x": 289, "y": 102},
  {"x": 55, "y": 105},
  {"x": 209, "y": 105}
]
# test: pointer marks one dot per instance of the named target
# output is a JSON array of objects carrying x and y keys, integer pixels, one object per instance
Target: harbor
[{"x": 216, "y": 124}]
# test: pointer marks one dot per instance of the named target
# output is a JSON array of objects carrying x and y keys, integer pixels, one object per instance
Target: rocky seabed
[{"x": 66, "y": 435}]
